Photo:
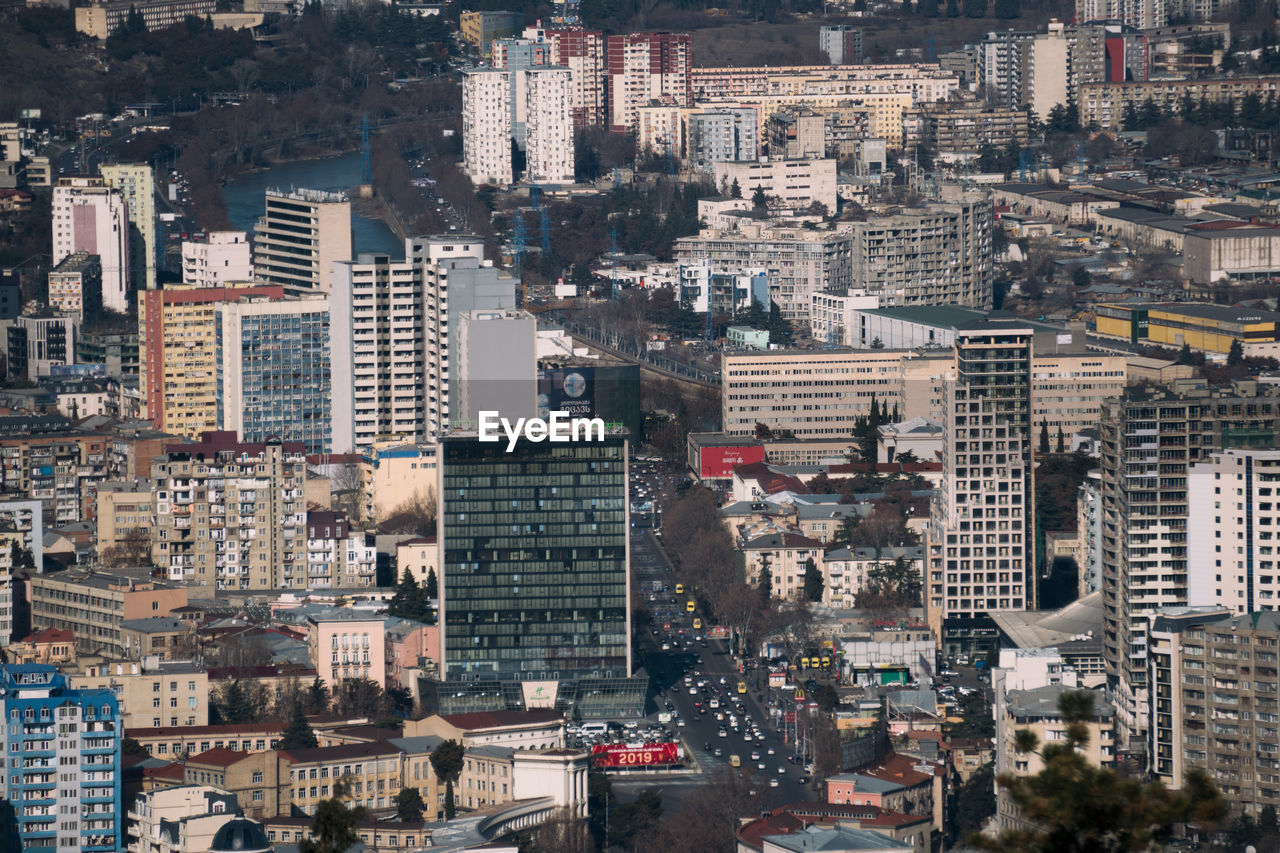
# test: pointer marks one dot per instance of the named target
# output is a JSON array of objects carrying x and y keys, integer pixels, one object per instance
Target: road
[{"x": 700, "y": 734}]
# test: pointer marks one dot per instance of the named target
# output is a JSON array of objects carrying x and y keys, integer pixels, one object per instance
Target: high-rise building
[
  {"x": 716, "y": 136},
  {"x": 516, "y": 56},
  {"x": 89, "y": 216},
  {"x": 535, "y": 557},
  {"x": 841, "y": 43},
  {"x": 377, "y": 347},
  {"x": 1002, "y": 61},
  {"x": 75, "y": 285},
  {"x": 979, "y": 554},
  {"x": 231, "y": 515},
  {"x": 1232, "y": 562},
  {"x": 583, "y": 53},
  {"x": 549, "y": 142},
  {"x": 486, "y": 126},
  {"x": 497, "y": 366},
  {"x": 53, "y": 729},
  {"x": 643, "y": 67},
  {"x": 1150, "y": 439},
  {"x": 1139, "y": 14},
  {"x": 300, "y": 237},
  {"x": 273, "y": 370},
  {"x": 219, "y": 259},
  {"x": 138, "y": 183},
  {"x": 37, "y": 342},
  {"x": 177, "y": 327}
]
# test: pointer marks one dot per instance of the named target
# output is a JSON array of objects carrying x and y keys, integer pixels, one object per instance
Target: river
[{"x": 244, "y": 197}]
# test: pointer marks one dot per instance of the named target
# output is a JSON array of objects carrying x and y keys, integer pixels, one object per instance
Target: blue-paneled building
[{"x": 62, "y": 763}]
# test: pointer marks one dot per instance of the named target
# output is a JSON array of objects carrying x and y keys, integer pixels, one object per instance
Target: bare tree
[
  {"x": 563, "y": 833},
  {"x": 346, "y": 485},
  {"x": 133, "y": 548},
  {"x": 415, "y": 517}
]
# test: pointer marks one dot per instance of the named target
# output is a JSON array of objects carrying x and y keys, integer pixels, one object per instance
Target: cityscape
[{"x": 604, "y": 426}]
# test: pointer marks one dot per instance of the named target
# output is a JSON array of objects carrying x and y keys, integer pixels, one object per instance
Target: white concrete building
[
  {"x": 845, "y": 570},
  {"x": 557, "y": 773},
  {"x": 1231, "y": 559},
  {"x": 486, "y": 126},
  {"x": 919, "y": 436},
  {"x": 138, "y": 183},
  {"x": 90, "y": 216},
  {"x": 181, "y": 819},
  {"x": 795, "y": 183},
  {"x": 301, "y": 235},
  {"x": 549, "y": 140},
  {"x": 1089, "y": 533},
  {"x": 220, "y": 258},
  {"x": 1047, "y": 72}
]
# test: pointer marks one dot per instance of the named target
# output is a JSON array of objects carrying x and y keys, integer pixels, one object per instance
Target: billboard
[
  {"x": 719, "y": 462},
  {"x": 649, "y": 755},
  {"x": 607, "y": 391},
  {"x": 718, "y": 632}
]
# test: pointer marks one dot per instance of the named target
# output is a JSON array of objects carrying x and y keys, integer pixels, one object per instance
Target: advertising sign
[
  {"x": 649, "y": 755},
  {"x": 718, "y": 632},
  {"x": 540, "y": 694},
  {"x": 567, "y": 390},
  {"x": 719, "y": 462}
]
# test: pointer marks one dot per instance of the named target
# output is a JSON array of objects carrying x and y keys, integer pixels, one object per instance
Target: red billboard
[
  {"x": 718, "y": 462},
  {"x": 649, "y": 755}
]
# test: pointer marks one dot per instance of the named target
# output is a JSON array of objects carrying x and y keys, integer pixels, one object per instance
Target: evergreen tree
[
  {"x": 1185, "y": 355},
  {"x": 1044, "y": 436},
  {"x": 953, "y": 9},
  {"x": 408, "y": 602},
  {"x": 233, "y": 704},
  {"x": 409, "y": 805},
  {"x": 765, "y": 583},
  {"x": 1007, "y": 9},
  {"x": 334, "y": 827},
  {"x": 433, "y": 585},
  {"x": 1129, "y": 119},
  {"x": 446, "y": 760},
  {"x": 1062, "y": 441},
  {"x": 975, "y": 8},
  {"x": 735, "y": 191},
  {"x": 759, "y": 202},
  {"x": 877, "y": 344},
  {"x": 1235, "y": 355},
  {"x": 812, "y": 580},
  {"x": 298, "y": 734},
  {"x": 317, "y": 697}
]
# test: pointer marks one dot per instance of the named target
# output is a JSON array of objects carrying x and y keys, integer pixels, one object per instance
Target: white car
[
  {"x": 770, "y": 750},
  {"x": 755, "y": 756},
  {"x": 773, "y": 783}
]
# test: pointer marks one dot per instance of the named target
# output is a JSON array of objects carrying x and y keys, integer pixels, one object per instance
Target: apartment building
[
  {"x": 164, "y": 693},
  {"x": 548, "y": 122},
  {"x": 346, "y": 645},
  {"x": 94, "y": 605},
  {"x": 338, "y": 556},
  {"x": 845, "y": 571},
  {"x": 182, "y": 742},
  {"x": 922, "y": 82},
  {"x": 720, "y": 135},
  {"x": 1139, "y": 14},
  {"x": 181, "y": 819},
  {"x": 797, "y": 133},
  {"x": 794, "y": 183},
  {"x": 786, "y": 556},
  {"x": 231, "y": 515},
  {"x": 64, "y": 776},
  {"x": 479, "y": 29},
  {"x": 116, "y": 350},
  {"x": 1068, "y": 389},
  {"x": 661, "y": 131},
  {"x": 220, "y": 258},
  {"x": 1002, "y": 62},
  {"x": 1150, "y": 439},
  {"x": 1232, "y": 562},
  {"x": 93, "y": 217},
  {"x": 178, "y": 379},
  {"x": 101, "y": 20},
  {"x": 841, "y": 43},
  {"x": 965, "y": 129},
  {"x": 486, "y": 126},
  {"x": 137, "y": 181},
  {"x": 399, "y": 474},
  {"x": 300, "y": 236},
  {"x": 978, "y": 554},
  {"x": 75, "y": 285},
  {"x": 273, "y": 371},
  {"x": 798, "y": 262},
  {"x": 1105, "y": 104},
  {"x": 939, "y": 254},
  {"x": 643, "y": 67},
  {"x": 1089, "y": 534},
  {"x": 1214, "y": 702},
  {"x": 806, "y": 393},
  {"x": 39, "y": 341},
  {"x": 123, "y": 514}
]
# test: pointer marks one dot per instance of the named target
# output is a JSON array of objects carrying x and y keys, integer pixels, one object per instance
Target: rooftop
[
  {"x": 946, "y": 316},
  {"x": 1043, "y": 702}
]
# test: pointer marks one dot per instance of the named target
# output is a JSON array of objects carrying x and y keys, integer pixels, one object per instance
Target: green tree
[
  {"x": 975, "y": 8},
  {"x": 765, "y": 583},
  {"x": 409, "y": 805},
  {"x": 317, "y": 696},
  {"x": 975, "y": 803},
  {"x": 1185, "y": 355},
  {"x": 812, "y": 580},
  {"x": 735, "y": 190},
  {"x": 1072, "y": 805},
  {"x": 1061, "y": 445},
  {"x": 298, "y": 734},
  {"x": 877, "y": 344},
  {"x": 233, "y": 703},
  {"x": 446, "y": 760},
  {"x": 1044, "y": 436},
  {"x": 409, "y": 601},
  {"x": 1235, "y": 355},
  {"x": 1007, "y": 9},
  {"x": 334, "y": 827},
  {"x": 432, "y": 588},
  {"x": 759, "y": 202},
  {"x": 131, "y": 746}
]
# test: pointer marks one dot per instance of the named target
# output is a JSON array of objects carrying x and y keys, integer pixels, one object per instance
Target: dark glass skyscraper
[{"x": 535, "y": 561}]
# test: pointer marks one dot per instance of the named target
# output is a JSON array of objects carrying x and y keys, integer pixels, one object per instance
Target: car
[
  {"x": 770, "y": 750},
  {"x": 755, "y": 756},
  {"x": 773, "y": 783},
  {"x": 719, "y": 752},
  {"x": 680, "y": 722},
  {"x": 782, "y": 771},
  {"x": 693, "y": 691},
  {"x": 804, "y": 780},
  {"x": 724, "y": 733},
  {"x": 760, "y": 766}
]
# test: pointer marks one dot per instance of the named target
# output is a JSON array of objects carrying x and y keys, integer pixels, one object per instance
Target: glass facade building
[{"x": 535, "y": 555}]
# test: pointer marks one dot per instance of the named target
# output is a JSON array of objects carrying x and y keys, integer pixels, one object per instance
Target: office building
[
  {"x": 52, "y": 729},
  {"x": 94, "y": 606},
  {"x": 486, "y": 126},
  {"x": 1231, "y": 562},
  {"x": 37, "y": 342},
  {"x": 841, "y": 43},
  {"x": 103, "y": 19},
  {"x": 938, "y": 254},
  {"x": 1150, "y": 440},
  {"x": 90, "y": 216},
  {"x": 644, "y": 67},
  {"x": 791, "y": 183},
  {"x": 1214, "y": 706},
  {"x": 300, "y": 237},
  {"x": 547, "y": 610},
  {"x": 797, "y": 261},
  {"x": 719, "y": 135},
  {"x": 548, "y": 124},
  {"x": 137, "y": 181},
  {"x": 177, "y": 380},
  {"x": 220, "y": 258},
  {"x": 75, "y": 286},
  {"x": 979, "y": 554},
  {"x": 583, "y": 53},
  {"x": 231, "y": 515},
  {"x": 497, "y": 367},
  {"x": 273, "y": 370}
]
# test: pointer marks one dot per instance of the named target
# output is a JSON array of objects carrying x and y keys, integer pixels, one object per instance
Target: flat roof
[
  {"x": 930, "y": 315},
  {"x": 1221, "y": 313}
]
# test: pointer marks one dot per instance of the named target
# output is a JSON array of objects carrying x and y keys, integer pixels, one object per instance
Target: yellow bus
[
  {"x": 690, "y": 607},
  {"x": 697, "y": 624},
  {"x": 735, "y": 761},
  {"x": 742, "y": 687},
  {"x": 679, "y": 589}
]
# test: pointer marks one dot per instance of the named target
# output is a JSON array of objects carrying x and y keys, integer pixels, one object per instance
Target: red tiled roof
[
  {"x": 175, "y": 771},
  {"x": 219, "y": 756},
  {"x": 50, "y": 635},
  {"x": 901, "y": 769},
  {"x": 865, "y": 815}
]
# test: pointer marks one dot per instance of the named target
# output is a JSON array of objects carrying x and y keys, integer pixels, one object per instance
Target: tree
[
  {"x": 409, "y": 805},
  {"x": 1185, "y": 355},
  {"x": 446, "y": 760},
  {"x": 1072, "y": 805},
  {"x": 131, "y": 746},
  {"x": 877, "y": 344},
  {"x": 1235, "y": 355},
  {"x": 975, "y": 803},
  {"x": 1062, "y": 441},
  {"x": 1044, "y": 436},
  {"x": 765, "y": 583},
  {"x": 975, "y": 8},
  {"x": 735, "y": 191},
  {"x": 812, "y": 580},
  {"x": 317, "y": 696},
  {"x": 234, "y": 703},
  {"x": 409, "y": 600},
  {"x": 334, "y": 827},
  {"x": 1007, "y": 9},
  {"x": 759, "y": 202},
  {"x": 298, "y": 734},
  {"x": 432, "y": 588},
  {"x": 928, "y": 8}
]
